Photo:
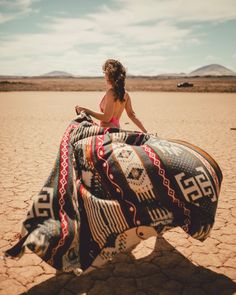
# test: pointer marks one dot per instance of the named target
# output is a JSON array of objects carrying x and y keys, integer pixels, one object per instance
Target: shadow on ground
[{"x": 165, "y": 271}]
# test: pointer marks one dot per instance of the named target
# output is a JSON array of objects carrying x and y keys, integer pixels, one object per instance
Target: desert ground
[
  {"x": 135, "y": 83},
  {"x": 32, "y": 124}
]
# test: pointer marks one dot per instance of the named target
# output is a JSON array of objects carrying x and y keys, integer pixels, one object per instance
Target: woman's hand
[{"x": 79, "y": 109}]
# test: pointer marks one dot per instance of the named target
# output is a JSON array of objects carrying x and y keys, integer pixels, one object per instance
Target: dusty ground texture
[
  {"x": 200, "y": 84},
  {"x": 32, "y": 124}
]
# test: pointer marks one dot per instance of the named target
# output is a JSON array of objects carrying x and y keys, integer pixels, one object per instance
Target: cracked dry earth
[{"x": 32, "y": 124}]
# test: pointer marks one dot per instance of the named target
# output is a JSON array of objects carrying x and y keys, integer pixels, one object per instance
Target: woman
[{"x": 116, "y": 98}]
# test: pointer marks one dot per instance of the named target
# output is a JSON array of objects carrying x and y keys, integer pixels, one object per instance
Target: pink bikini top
[{"x": 115, "y": 121}]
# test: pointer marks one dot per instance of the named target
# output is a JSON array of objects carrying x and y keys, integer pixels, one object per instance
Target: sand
[{"x": 32, "y": 124}]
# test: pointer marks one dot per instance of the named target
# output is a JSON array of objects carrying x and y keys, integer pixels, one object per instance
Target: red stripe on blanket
[
  {"x": 62, "y": 188},
  {"x": 166, "y": 183}
]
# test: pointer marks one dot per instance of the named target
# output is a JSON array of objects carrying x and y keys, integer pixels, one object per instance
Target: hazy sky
[{"x": 148, "y": 36}]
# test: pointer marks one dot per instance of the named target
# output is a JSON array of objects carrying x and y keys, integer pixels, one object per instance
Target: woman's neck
[{"x": 108, "y": 86}]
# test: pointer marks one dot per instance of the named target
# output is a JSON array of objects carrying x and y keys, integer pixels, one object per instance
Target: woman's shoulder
[
  {"x": 110, "y": 95},
  {"x": 110, "y": 92},
  {"x": 111, "y": 89}
]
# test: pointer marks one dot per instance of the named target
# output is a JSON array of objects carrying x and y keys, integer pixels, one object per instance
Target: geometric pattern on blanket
[{"x": 110, "y": 188}]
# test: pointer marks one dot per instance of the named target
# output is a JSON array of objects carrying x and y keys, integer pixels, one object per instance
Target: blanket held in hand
[{"x": 110, "y": 189}]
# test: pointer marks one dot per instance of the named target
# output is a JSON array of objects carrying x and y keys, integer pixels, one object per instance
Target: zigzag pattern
[
  {"x": 63, "y": 181},
  {"x": 171, "y": 193}
]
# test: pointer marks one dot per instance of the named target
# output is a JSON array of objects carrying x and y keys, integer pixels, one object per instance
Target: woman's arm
[
  {"x": 108, "y": 112},
  {"x": 130, "y": 112}
]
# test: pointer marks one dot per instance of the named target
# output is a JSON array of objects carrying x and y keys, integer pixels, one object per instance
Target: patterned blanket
[{"x": 110, "y": 189}]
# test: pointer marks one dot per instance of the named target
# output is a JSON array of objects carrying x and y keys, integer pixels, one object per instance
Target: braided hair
[{"x": 116, "y": 75}]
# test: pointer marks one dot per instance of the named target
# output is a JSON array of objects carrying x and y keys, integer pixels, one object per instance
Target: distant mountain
[
  {"x": 212, "y": 70},
  {"x": 57, "y": 74}
]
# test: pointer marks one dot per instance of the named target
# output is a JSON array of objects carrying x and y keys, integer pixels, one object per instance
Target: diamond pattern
[
  {"x": 135, "y": 173},
  {"x": 124, "y": 154}
]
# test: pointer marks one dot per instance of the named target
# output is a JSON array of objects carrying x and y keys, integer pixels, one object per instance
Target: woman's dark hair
[{"x": 116, "y": 74}]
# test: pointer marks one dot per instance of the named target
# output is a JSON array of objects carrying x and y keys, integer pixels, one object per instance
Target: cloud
[
  {"x": 4, "y": 17},
  {"x": 14, "y": 9},
  {"x": 143, "y": 34},
  {"x": 212, "y": 58},
  {"x": 21, "y": 6},
  {"x": 16, "y": 4},
  {"x": 87, "y": 44},
  {"x": 178, "y": 10}
]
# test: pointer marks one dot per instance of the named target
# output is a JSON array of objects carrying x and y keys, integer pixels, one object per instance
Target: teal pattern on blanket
[{"x": 110, "y": 189}]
